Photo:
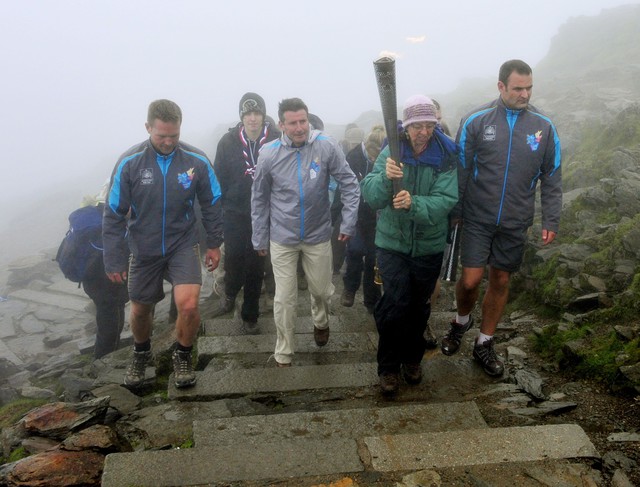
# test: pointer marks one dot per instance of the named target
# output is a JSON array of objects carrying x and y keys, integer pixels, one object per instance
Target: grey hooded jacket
[{"x": 290, "y": 193}]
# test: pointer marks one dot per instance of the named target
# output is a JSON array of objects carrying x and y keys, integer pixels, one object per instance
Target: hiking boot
[
  {"x": 135, "y": 374},
  {"x": 430, "y": 340},
  {"x": 451, "y": 341},
  {"x": 486, "y": 356},
  {"x": 250, "y": 327},
  {"x": 389, "y": 383},
  {"x": 321, "y": 336},
  {"x": 412, "y": 373},
  {"x": 183, "y": 373},
  {"x": 347, "y": 299},
  {"x": 227, "y": 305}
]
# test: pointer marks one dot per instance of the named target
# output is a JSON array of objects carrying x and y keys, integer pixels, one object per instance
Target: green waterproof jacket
[{"x": 421, "y": 230}]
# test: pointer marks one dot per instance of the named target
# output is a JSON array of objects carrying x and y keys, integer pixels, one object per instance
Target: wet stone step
[
  {"x": 229, "y": 326},
  {"x": 304, "y": 343},
  {"x": 470, "y": 447},
  {"x": 237, "y": 382},
  {"x": 344, "y": 423},
  {"x": 206, "y": 466}
]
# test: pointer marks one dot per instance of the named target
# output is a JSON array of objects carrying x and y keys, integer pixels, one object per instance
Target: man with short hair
[
  {"x": 507, "y": 147},
  {"x": 156, "y": 182},
  {"x": 291, "y": 216},
  {"x": 235, "y": 165}
]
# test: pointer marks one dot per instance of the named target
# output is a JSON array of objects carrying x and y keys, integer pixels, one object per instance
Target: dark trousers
[
  {"x": 361, "y": 260},
  {"x": 109, "y": 299},
  {"x": 244, "y": 268},
  {"x": 403, "y": 311},
  {"x": 338, "y": 248}
]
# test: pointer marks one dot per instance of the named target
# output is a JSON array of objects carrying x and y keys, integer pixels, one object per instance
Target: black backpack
[{"x": 82, "y": 244}]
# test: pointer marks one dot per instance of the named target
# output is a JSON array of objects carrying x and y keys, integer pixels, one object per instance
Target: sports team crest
[
  {"x": 534, "y": 140},
  {"x": 146, "y": 176},
  {"x": 185, "y": 178},
  {"x": 489, "y": 132}
]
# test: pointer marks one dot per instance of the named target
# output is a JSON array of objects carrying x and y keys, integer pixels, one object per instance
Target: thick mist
[{"x": 78, "y": 76}]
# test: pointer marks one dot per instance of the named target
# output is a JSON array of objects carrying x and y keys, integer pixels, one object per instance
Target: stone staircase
[{"x": 323, "y": 418}]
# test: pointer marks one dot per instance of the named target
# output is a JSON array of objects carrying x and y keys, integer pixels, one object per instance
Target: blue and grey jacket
[
  {"x": 290, "y": 193},
  {"x": 504, "y": 153},
  {"x": 160, "y": 191}
]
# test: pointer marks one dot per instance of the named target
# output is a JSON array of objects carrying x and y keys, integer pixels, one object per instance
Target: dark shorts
[
  {"x": 501, "y": 248},
  {"x": 146, "y": 276}
]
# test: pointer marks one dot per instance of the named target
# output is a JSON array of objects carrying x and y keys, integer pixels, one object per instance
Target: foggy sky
[{"x": 78, "y": 75}]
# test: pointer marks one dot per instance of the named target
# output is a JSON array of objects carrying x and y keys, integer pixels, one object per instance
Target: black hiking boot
[
  {"x": 487, "y": 357},
  {"x": 451, "y": 341}
]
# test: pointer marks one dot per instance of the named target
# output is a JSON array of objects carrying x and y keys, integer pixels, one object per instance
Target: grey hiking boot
[
  {"x": 183, "y": 373},
  {"x": 487, "y": 357},
  {"x": 451, "y": 341},
  {"x": 135, "y": 374}
]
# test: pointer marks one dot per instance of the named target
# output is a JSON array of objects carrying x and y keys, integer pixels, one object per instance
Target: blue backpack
[{"x": 82, "y": 244}]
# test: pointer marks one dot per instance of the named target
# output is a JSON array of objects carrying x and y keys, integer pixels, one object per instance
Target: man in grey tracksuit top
[
  {"x": 290, "y": 212},
  {"x": 507, "y": 147}
]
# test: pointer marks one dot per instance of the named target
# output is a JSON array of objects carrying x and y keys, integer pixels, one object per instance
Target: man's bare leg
[
  {"x": 141, "y": 321},
  {"x": 467, "y": 291},
  {"x": 188, "y": 321},
  {"x": 495, "y": 300},
  {"x": 187, "y": 324},
  {"x": 493, "y": 304}
]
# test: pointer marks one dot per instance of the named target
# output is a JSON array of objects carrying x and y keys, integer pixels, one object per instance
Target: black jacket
[
  {"x": 231, "y": 171},
  {"x": 361, "y": 166}
]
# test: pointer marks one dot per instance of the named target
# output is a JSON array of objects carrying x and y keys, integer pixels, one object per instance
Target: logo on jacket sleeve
[
  {"x": 146, "y": 176},
  {"x": 185, "y": 178},
  {"x": 534, "y": 140},
  {"x": 489, "y": 132}
]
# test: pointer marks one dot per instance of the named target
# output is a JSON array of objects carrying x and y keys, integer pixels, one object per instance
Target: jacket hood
[{"x": 313, "y": 135}]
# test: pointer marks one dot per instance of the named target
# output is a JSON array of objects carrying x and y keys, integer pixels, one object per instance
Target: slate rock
[
  {"x": 530, "y": 382},
  {"x": 32, "y": 392},
  {"x": 97, "y": 437},
  {"x": 57, "y": 469},
  {"x": 57, "y": 420}
]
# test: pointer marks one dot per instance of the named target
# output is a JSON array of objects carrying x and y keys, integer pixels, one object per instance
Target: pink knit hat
[{"x": 418, "y": 108}]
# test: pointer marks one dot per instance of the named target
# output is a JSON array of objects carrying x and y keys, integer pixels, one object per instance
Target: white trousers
[{"x": 317, "y": 262}]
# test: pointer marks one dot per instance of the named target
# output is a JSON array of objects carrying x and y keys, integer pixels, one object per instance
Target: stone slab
[
  {"x": 6, "y": 352},
  {"x": 64, "y": 286},
  {"x": 204, "y": 466},
  {"x": 226, "y": 326},
  {"x": 236, "y": 382},
  {"x": 458, "y": 448},
  {"x": 345, "y": 423},
  {"x": 73, "y": 303},
  {"x": 304, "y": 343}
]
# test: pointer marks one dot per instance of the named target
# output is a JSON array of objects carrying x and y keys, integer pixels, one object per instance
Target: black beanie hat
[{"x": 251, "y": 102}]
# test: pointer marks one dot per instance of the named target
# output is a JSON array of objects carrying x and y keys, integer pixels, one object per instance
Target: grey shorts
[
  {"x": 501, "y": 248},
  {"x": 146, "y": 276}
]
